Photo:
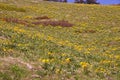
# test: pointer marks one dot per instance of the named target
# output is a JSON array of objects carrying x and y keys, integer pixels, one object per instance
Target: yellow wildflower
[
  {"x": 45, "y": 60},
  {"x": 61, "y": 43},
  {"x": 84, "y": 64},
  {"x": 79, "y": 48},
  {"x": 117, "y": 57},
  {"x": 50, "y": 38},
  {"x": 49, "y": 53},
  {"x": 63, "y": 54},
  {"x": 57, "y": 70},
  {"x": 106, "y": 62},
  {"x": 100, "y": 70},
  {"x": 4, "y": 49},
  {"x": 67, "y": 60}
]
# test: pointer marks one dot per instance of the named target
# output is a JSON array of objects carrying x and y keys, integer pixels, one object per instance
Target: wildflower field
[{"x": 42, "y": 40}]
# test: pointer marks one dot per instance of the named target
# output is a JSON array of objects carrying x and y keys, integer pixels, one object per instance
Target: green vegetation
[
  {"x": 15, "y": 73},
  {"x": 8, "y": 7},
  {"x": 88, "y": 49}
]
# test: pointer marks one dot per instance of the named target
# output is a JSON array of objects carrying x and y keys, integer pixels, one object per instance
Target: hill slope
[{"x": 48, "y": 40}]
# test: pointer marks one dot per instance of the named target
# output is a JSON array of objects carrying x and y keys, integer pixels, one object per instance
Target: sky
[{"x": 104, "y": 1}]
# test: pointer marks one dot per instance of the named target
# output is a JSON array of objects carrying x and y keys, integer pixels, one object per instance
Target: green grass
[
  {"x": 8, "y": 7},
  {"x": 14, "y": 73},
  {"x": 89, "y": 50}
]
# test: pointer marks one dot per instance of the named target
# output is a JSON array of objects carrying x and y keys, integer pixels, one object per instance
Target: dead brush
[
  {"x": 41, "y": 17},
  {"x": 54, "y": 23},
  {"x": 61, "y": 23},
  {"x": 15, "y": 20}
]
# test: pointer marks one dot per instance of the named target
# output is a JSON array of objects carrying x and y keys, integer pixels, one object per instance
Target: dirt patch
[
  {"x": 3, "y": 37},
  {"x": 32, "y": 67},
  {"x": 15, "y": 20},
  {"x": 44, "y": 20},
  {"x": 10, "y": 60}
]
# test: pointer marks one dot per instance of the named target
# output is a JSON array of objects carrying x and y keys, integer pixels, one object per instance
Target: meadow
[{"x": 42, "y": 40}]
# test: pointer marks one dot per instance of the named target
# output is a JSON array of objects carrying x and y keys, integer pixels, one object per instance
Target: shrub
[
  {"x": 42, "y": 17},
  {"x": 61, "y": 23}
]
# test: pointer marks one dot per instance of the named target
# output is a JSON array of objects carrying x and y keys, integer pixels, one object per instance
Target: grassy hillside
[{"x": 59, "y": 41}]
